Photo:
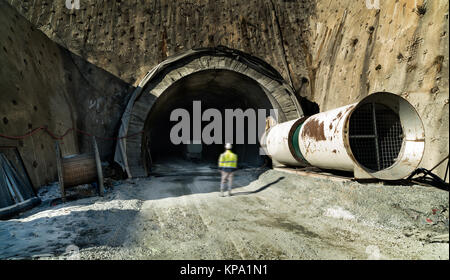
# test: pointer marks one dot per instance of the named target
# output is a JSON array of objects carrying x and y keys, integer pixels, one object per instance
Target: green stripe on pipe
[{"x": 296, "y": 144}]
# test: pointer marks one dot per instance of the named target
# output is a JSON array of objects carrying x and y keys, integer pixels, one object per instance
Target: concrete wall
[
  {"x": 334, "y": 52},
  {"x": 42, "y": 83},
  {"x": 33, "y": 93}
]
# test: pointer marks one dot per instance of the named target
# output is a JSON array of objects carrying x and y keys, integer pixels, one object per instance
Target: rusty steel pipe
[
  {"x": 283, "y": 149},
  {"x": 380, "y": 137},
  {"x": 321, "y": 140}
]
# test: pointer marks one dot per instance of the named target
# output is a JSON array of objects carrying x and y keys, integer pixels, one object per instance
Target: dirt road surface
[{"x": 271, "y": 215}]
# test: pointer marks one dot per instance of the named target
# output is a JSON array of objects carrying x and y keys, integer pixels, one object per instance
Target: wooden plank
[
  {"x": 101, "y": 188},
  {"x": 60, "y": 173}
]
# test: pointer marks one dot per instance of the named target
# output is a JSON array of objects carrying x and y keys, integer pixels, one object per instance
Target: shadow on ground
[{"x": 260, "y": 189}]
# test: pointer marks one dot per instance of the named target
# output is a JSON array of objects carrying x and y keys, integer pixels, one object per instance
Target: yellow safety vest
[{"x": 228, "y": 159}]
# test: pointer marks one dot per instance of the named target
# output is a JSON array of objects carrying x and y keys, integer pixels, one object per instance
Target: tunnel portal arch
[{"x": 173, "y": 70}]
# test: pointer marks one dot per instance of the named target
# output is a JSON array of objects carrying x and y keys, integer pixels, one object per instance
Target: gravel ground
[{"x": 271, "y": 215}]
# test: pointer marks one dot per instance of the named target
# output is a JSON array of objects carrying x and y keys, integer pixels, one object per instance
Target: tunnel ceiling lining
[
  {"x": 279, "y": 93},
  {"x": 212, "y": 88}
]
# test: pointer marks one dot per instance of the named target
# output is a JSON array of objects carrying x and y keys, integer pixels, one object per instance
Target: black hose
[
  {"x": 11, "y": 211},
  {"x": 429, "y": 178}
]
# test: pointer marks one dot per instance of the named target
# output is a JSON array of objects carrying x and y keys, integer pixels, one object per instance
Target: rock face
[
  {"x": 127, "y": 38},
  {"x": 401, "y": 48},
  {"x": 43, "y": 84},
  {"x": 332, "y": 52}
]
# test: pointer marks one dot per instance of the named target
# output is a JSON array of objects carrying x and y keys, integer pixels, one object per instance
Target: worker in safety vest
[{"x": 227, "y": 165}]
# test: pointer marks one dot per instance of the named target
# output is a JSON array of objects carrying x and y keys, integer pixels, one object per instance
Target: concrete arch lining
[{"x": 159, "y": 79}]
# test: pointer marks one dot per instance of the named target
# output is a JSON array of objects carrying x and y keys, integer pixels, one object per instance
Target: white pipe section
[
  {"x": 277, "y": 143},
  {"x": 323, "y": 140}
]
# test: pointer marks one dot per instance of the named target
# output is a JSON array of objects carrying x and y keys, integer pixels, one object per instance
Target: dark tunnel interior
[{"x": 218, "y": 89}]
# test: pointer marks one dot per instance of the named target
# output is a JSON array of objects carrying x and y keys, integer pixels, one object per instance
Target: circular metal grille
[{"x": 376, "y": 136}]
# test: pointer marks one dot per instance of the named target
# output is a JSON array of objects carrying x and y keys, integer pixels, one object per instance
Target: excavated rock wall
[
  {"x": 127, "y": 38},
  {"x": 43, "y": 84},
  {"x": 400, "y": 48},
  {"x": 332, "y": 52}
]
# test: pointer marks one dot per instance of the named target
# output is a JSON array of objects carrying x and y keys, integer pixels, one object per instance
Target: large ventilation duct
[{"x": 380, "y": 137}]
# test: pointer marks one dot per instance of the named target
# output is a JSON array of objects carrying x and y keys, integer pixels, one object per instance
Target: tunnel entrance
[
  {"x": 220, "y": 78},
  {"x": 215, "y": 89}
]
